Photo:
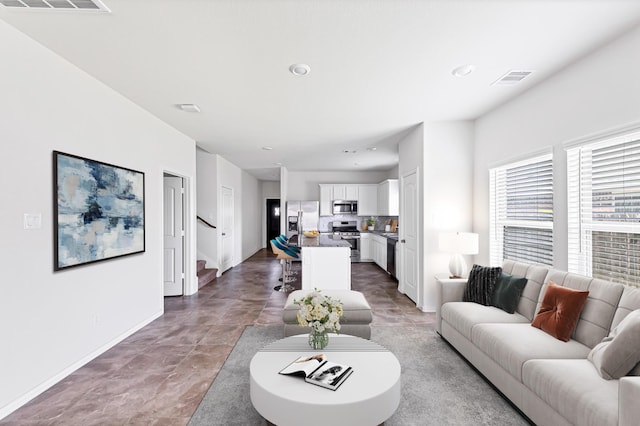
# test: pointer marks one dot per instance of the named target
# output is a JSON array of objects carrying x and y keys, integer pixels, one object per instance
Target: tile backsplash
[{"x": 324, "y": 223}]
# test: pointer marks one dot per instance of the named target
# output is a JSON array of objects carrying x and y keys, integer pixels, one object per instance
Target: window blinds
[
  {"x": 604, "y": 209},
  {"x": 521, "y": 211}
]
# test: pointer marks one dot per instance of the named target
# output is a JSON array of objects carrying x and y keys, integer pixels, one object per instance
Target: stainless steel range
[{"x": 348, "y": 231}]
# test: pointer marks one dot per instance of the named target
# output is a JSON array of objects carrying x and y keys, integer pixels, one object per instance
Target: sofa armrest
[
  {"x": 447, "y": 290},
  {"x": 628, "y": 397}
]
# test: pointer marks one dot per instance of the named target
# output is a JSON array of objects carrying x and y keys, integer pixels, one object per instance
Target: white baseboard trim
[{"x": 19, "y": 402}]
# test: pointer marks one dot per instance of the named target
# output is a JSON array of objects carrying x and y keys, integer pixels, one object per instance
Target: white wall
[
  {"x": 597, "y": 93},
  {"x": 284, "y": 183},
  {"x": 252, "y": 225},
  {"x": 448, "y": 202},
  {"x": 246, "y": 198},
  {"x": 52, "y": 323},
  {"x": 207, "y": 171},
  {"x": 411, "y": 159},
  {"x": 304, "y": 185},
  {"x": 441, "y": 153}
]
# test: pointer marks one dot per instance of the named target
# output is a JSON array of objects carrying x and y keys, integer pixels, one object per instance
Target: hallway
[{"x": 159, "y": 375}]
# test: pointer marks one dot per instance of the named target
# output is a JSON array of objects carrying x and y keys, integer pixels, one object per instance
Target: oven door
[{"x": 354, "y": 242}]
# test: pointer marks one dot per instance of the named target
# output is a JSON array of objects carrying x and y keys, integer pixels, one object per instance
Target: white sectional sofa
[{"x": 552, "y": 382}]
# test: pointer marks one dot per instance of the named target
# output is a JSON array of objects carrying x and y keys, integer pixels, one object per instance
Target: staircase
[{"x": 205, "y": 276}]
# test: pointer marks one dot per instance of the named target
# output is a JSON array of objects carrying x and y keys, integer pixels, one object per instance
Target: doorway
[
  {"x": 227, "y": 234},
  {"x": 273, "y": 219},
  {"x": 409, "y": 213},
  {"x": 174, "y": 236}
]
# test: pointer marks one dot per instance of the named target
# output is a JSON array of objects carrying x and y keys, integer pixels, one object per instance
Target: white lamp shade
[{"x": 458, "y": 242}]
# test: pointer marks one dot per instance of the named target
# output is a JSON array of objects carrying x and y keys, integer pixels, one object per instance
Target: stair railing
[{"x": 206, "y": 223}]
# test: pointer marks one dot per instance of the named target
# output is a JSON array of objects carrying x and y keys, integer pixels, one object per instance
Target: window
[
  {"x": 604, "y": 209},
  {"x": 521, "y": 211}
]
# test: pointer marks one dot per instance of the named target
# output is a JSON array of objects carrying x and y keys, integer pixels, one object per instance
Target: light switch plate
[{"x": 32, "y": 221}]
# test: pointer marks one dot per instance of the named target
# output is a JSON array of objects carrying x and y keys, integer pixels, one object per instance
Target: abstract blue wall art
[{"x": 98, "y": 211}]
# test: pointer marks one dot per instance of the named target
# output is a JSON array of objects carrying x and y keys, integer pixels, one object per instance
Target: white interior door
[
  {"x": 173, "y": 236},
  {"x": 226, "y": 236},
  {"x": 409, "y": 236}
]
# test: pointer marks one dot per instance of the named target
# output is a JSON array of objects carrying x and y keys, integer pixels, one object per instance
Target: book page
[
  {"x": 330, "y": 374},
  {"x": 304, "y": 366}
]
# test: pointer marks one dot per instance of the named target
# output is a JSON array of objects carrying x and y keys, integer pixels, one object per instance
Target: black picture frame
[{"x": 98, "y": 211}]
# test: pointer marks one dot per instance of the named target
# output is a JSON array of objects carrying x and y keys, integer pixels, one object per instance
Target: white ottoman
[{"x": 356, "y": 320}]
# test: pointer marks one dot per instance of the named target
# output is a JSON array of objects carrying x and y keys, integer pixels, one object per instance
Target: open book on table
[{"x": 318, "y": 371}]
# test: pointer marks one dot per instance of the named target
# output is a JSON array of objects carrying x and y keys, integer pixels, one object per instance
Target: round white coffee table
[{"x": 368, "y": 397}]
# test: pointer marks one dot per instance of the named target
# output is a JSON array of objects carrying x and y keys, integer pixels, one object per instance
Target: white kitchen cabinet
[
  {"x": 326, "y": 200},
  {"x": 367, "y": 200},
  {"x": 351, "y": 192},
  {"x": 339, "y": 192},
  {"x": 365, "y": 246},
  {"x": 326, "y": 268},
  {"x": 345, "y": 191},
  {"x": 331, "y": 192},
  {"x": 379, "y": 249},
  {"x": 389, "y": 198}
]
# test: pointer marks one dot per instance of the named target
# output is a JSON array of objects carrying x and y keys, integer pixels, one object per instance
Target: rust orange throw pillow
[{"x": 560, "y": 310}]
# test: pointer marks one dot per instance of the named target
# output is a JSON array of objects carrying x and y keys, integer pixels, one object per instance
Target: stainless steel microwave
[{"x": 345, "y": 207}]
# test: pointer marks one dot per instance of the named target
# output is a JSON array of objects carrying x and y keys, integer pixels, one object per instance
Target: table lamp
[{"x": 458, "y": 243}]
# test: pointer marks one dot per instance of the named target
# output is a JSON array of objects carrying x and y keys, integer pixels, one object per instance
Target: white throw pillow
[{"x": 618, "y": 354}]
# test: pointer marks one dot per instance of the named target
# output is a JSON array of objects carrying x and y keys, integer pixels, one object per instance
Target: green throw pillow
[{"x": 507, "y": 292}]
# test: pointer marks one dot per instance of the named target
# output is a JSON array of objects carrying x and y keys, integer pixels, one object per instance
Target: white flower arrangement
[{"x": 319, "y": 312}]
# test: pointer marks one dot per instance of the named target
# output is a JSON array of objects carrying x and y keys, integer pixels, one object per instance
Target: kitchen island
[{"x": 326, "y": 263}]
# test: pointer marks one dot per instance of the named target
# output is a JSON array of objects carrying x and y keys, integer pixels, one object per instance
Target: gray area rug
[{"x": 438, "y": 386}]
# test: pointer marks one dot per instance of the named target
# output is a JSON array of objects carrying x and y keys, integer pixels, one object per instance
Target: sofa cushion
[
  {"x": 482, "y": 280},
  {"x": 629, "y": 301},
  {"x": 464, "y": 315},
  {"x": 535, "y": 275},
  {"x": 559, "y": 311},
  {"x": 598, "y": 312},
  {"x": 619, "y": 352},
  {"x": 511, "y": 345},
  {"x": 507, "y": 291},
  {"x": 574, "y": 389}
]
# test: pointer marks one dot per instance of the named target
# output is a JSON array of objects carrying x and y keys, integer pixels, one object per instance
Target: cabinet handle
[
  {"x": 402, "y": 241},
  {"x": 223, "y": 234}
]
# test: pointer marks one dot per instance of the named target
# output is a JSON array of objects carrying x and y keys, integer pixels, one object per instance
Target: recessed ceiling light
[
  {"x": 189, "y": 107},
  {"x": 371, "y": 148},
  {"x": 300, "y": 69},
  {"x": 277, "y": 164},
  {"x": 266, "y": 148},
  {"x": 463, "y": 70}
]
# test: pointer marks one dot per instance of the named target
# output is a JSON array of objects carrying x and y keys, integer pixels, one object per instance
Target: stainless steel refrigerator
[{"x": 302, "y": 216}]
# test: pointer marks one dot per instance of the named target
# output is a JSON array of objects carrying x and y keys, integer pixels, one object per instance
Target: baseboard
[{"x": 19, "y": 402}]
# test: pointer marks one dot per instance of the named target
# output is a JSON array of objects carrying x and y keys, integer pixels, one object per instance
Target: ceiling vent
[
  {"x": 512, "y": 77},
  {"x": 84, "y": 5}
]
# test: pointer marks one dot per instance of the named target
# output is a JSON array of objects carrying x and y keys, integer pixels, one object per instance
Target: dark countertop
[
  {"x": 388, "y": 235},
  {"x": 323, "y": 240}
]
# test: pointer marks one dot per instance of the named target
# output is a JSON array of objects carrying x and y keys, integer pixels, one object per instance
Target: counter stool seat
[{"x": 356, "y": 319}]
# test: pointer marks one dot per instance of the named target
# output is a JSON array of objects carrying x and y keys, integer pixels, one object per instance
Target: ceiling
[{"x": 378, "y": 68}]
